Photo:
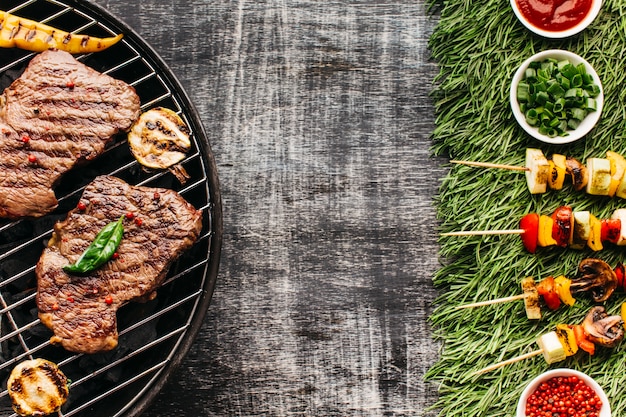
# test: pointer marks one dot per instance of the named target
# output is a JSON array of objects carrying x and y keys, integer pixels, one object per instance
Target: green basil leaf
[{"x": 100, "y": 250}]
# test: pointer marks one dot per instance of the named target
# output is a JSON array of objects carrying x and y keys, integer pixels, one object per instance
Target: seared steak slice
[
  {"x": 62, "y": 112},
  {"x": 81, "y": 310}
]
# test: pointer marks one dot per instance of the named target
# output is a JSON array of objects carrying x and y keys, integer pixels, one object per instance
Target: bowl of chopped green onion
[{"x": 556, "y": 96}]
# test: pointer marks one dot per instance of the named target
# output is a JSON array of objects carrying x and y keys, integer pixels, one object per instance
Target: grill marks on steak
[
  {"x": 59, "y": 112},
  {"x": 23, "y": 187},
  {"x": 75, "y": 308}
]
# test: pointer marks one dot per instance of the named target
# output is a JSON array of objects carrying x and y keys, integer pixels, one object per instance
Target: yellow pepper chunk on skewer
[
  {"x": 545, "y": 231},
  {"x": 562, "y": 287},
  {"x": 595, "y": 236},
  {"x": 557, "y": 171},
  {"x": 567, "y": 339}
]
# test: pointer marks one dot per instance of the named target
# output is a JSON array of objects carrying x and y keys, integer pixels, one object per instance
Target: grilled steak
[
  {"x": 58, "y": 113},
  {"x": 81, "y": 310}
]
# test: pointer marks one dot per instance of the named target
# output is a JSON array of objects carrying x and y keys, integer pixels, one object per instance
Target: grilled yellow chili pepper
[{"x": 38, "y": 37}]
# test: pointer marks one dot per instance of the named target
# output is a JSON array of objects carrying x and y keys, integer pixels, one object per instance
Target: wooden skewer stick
[
  {"x": 485, "y": 232},
  {"x": 490, "y": 302},
  {"x": 507, "y": 362},
  {"x": 489, "y": 165}
]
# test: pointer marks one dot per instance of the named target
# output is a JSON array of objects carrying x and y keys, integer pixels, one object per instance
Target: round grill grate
[{"x": 154, "y": 336}]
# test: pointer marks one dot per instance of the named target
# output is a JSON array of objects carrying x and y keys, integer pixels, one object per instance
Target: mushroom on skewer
[
  {"x": 597, "y": 278},
  {"x": 602, "y": 329}
]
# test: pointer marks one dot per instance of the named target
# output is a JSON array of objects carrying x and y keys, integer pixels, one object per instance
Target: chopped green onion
[
  {"x": 559, "y": 105},
  {"x": 569, "y": 71},
  {"x": 564, "y": 81},
  {"x": 593, "y": 89},
  {"x": 532, "y": 117},
  {"x": 578, "y": 114},
  {"x": 591, "y": 104},
  {"x": 573, "y": 93},
  {"x": 555, "y": 122},
  {"x": 542, "y": 98},
  {"x": 573, "y": 124},
  {"x": 556, "y": 90},
  {"x": 523, "y": 92}
]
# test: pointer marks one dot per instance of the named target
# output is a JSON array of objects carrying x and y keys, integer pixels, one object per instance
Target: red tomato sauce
[{"x": 554, "y": 15}]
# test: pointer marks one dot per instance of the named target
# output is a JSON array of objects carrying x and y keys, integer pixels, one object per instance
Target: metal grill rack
[{"x": 154, "y": 336}]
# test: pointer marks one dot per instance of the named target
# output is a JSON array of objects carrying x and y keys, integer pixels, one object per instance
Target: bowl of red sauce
[
  {"x": 563, "y": 392},
  {"x": 556, "y": 18}
]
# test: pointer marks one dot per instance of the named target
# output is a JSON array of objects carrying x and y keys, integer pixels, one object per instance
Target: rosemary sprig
[{"x": 478, "y": 46}]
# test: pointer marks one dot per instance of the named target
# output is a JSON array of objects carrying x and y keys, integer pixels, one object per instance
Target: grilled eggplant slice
[{"x": 37, "y": 387}]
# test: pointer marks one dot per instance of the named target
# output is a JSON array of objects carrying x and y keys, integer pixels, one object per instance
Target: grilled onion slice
[
  {"x": 159, "y": 138},
  {"x": 37, "y": 387}
]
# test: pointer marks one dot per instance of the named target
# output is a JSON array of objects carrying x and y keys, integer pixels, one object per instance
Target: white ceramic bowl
[
  {"x": 585, "y": 126},
  {"x": 532, "y": 386},
  {"x": 596, "y": 5}
]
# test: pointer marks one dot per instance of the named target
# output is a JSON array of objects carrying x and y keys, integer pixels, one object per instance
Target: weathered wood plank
[{"x": 319, "y": 118}]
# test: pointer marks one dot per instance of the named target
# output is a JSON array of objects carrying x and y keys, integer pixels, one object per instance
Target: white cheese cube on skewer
[
  {"x": 581, "y": 229},
  {"x": 599, "y": 171},
  {"x": 538, "y": 171},
  {"x": 552, "y": 348}
]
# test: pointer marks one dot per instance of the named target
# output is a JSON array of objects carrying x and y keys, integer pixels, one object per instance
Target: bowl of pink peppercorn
[{"x": 563, "y": 392}]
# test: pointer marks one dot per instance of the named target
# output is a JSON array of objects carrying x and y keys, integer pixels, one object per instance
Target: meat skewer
[
  {"x": 601, "y": 176},
  {"x": 564, "y": 228},
  {"x": 596, "y": 277},
  {"x": 598, "y": 328}
]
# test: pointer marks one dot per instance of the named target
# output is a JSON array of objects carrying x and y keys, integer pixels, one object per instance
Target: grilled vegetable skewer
[
  {"x": 565, "y": 228},
  {"x": 598, "y": 328},
  {"x": 17, "y": 32},
  {"x": 601, "y": 176},
  {"x": 596, "y": 277}
]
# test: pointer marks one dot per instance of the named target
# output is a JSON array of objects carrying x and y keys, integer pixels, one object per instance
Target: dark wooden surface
[{"x": 319, "y": 118}]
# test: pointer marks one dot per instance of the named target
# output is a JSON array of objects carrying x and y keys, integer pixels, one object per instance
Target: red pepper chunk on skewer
[
  {"x": 530, "y": 238},
  {"x": 547, "y": 289},
  {"x": 581, "y": 339},
  {"x": 611, "y": 230},
  {"x": 562, "y": 225}
]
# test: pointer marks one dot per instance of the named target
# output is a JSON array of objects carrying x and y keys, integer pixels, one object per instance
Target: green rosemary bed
[{"x": 478, "y": 46}]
